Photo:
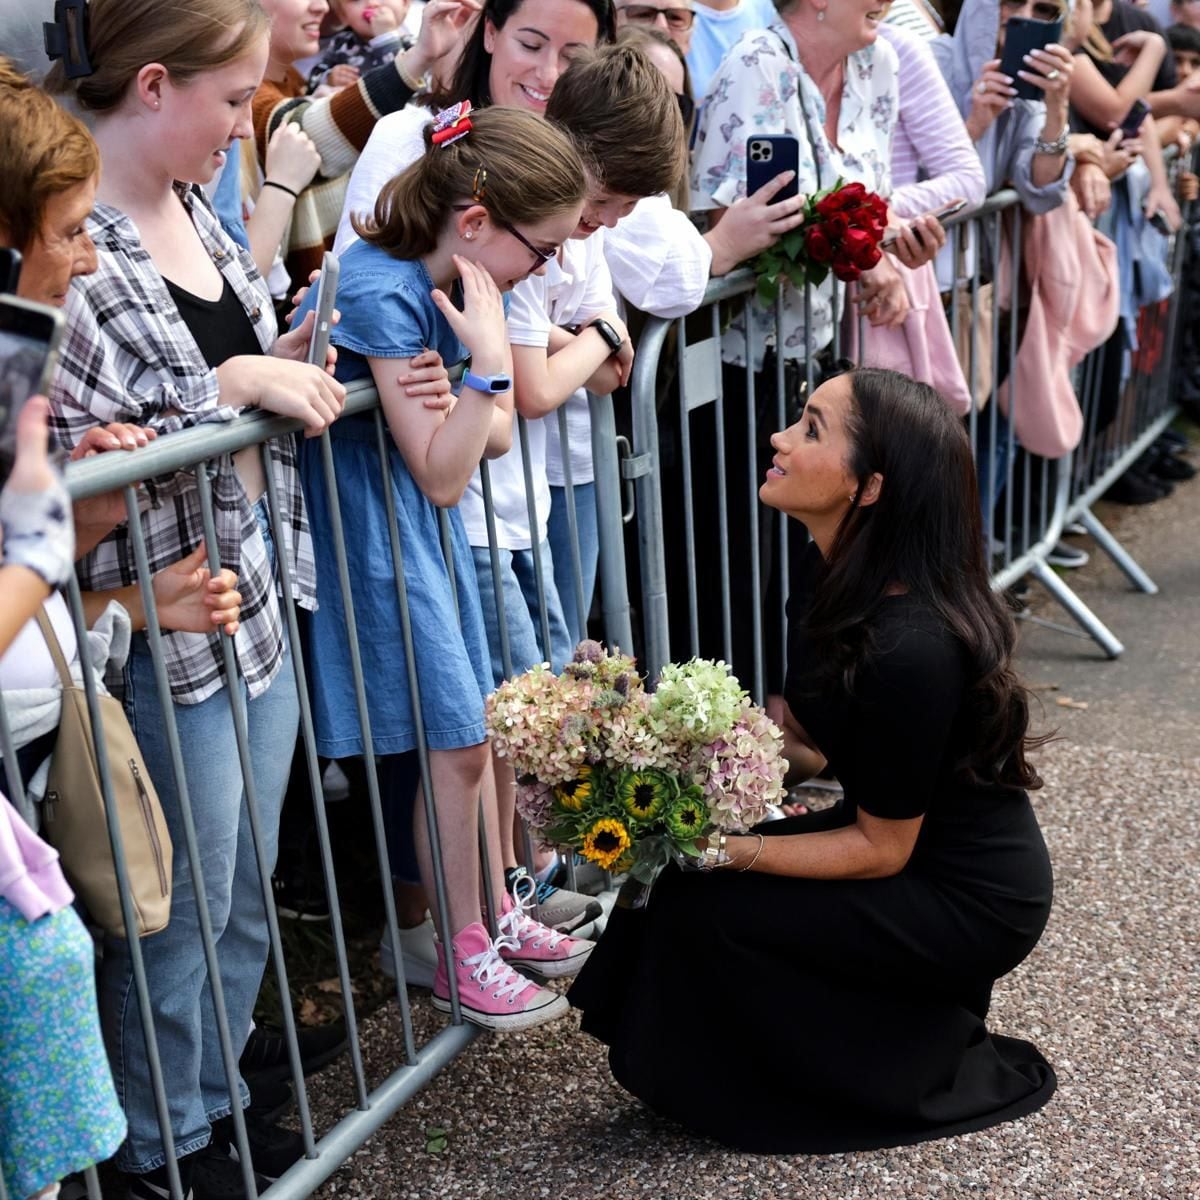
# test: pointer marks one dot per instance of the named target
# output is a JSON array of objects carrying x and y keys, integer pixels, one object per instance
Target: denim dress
[{"x": 387, "y": 313}]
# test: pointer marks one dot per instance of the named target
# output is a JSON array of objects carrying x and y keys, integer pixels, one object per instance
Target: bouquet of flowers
[
  {"x": 631, "y": 778},
  {"x": 842, "y": 231}
]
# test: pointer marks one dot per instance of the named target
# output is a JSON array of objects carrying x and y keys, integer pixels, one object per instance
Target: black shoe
[
  {"x": 272, "y": 1149},
  {"x": 219, "y": 1177},
  {"x": 266, "y": 1058},
  {"x": 1133, "y": 488},
  {"x": 1068, "y": 557},
  {"x": 299, "y": 898},
  {"x": 270, "y": 1099},
  {"x": 1172, "y": 440},
  {"x": 153, "y": 1185},
  {"x": 1172, "y": 469}
]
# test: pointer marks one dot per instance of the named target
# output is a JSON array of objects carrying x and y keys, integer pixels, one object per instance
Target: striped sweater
[{"x": 339, "y": 126}]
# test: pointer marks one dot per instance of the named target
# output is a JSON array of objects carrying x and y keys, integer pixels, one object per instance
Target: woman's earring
[
  {"x": 468, "y": 235},
  {"x": 821, "y": 15}
]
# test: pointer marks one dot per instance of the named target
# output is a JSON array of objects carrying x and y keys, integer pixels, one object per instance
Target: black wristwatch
[{"x": 612, "y": 338}]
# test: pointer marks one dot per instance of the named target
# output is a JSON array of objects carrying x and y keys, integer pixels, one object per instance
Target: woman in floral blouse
[{"x": 820, "y": 74}]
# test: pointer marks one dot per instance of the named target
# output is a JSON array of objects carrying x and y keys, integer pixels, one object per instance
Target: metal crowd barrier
[
  {"x": 1036, "y": 500},
  {"x": 194, "y": 450}
]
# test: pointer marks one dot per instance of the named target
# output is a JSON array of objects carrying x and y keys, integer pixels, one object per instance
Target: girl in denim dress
[{"x": 492, "y": 199}]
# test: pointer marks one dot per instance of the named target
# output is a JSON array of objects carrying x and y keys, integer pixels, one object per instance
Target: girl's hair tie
[{"x": 452, "y": 123}]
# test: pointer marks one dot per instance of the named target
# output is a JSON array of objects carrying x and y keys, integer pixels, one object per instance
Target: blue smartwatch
[{"x": 490, "y": 385}]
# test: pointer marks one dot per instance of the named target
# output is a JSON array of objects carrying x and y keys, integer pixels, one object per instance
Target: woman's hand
[
  {"x": 480, "y": 325},
  {"x": 1092, "y": 189},
  {"x": 443, "y": 29},
  {"x": 917, "y": 241},
  {"x": 1117, "y": 154},
  {"x": 292, "y": 157},
  {"x": 428, "y": 379},
  {"x": 35, "y": 509},
  {"x": 189, "y": 598},
  {"x": 97, "y": 517},
  {"x": 882, "y": 297},
  {"x": 293, "y": 345},
  {"x": 1188, "y": 185},
  {"x": 1049, "y": 69},
  {"x": 992, "y": 93},
  {"x": 754, "y": 223},
  {"x": 1160, "y": 199},
  {"x": 1128, "y": 48},
  {"x": 291, "y": 389}
]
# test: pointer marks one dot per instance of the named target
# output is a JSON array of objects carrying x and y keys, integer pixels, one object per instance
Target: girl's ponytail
[{"x": 519, "y": 167}]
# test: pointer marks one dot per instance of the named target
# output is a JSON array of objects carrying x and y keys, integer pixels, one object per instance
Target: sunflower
[
  {"x": 688, "y": 817},
  {"x": 575, "y": 793},
  {"x": 643, "y": 794},
  {"x": 605, "y": 842}
]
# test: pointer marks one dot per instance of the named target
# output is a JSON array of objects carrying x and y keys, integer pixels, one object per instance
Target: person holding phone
[{"x": 1021, "y": 142}]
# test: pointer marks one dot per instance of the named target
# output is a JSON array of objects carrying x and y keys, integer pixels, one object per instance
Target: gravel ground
[{"x": 1110, "y": 996}]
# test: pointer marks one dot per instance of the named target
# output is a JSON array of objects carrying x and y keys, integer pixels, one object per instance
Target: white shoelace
[
  {"x": 490, "y": 968},
  {"x": 518, "y": 924}
]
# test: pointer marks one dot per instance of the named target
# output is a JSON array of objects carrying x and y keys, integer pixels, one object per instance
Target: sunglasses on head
[{"x": 1047, "y": 10}]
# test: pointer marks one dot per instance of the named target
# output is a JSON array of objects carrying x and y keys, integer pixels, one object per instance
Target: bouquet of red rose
[{"x": 842, "y": 231}]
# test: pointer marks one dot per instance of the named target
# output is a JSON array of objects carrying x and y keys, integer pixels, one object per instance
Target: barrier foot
[
  {"x": 1091, "y": 624},
  {"x": 1109, "y": 544}
]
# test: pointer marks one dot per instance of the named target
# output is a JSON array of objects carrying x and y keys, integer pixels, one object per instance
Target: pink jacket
[
  {"x": 1074, "y": 305},
  {"x": 30, "y": 877},
  {"x": 922, "y": 347}
]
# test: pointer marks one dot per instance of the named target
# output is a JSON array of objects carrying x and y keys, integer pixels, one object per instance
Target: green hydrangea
[{"x": 697, "y": 700}]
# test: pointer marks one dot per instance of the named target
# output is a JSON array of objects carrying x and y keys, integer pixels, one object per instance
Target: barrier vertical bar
[
  {"x": 312, "y": 768},
  {"x": 689, "y": 507},
  {"x": 751, "y": 429},
  {"x": 723, "y": 487},
  {"x": 582, "y": 602},
  {"x": 618, "y": 625}
]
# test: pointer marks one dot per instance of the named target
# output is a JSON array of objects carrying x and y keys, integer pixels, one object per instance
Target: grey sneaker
[
  {"x": 568, "y": 912},
  {"x": 418, "y": 949}
]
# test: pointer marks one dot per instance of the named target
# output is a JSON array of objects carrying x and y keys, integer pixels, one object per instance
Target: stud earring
[
  {"x": 468, "y": 235},
  {"x": 821, "y": 15}
]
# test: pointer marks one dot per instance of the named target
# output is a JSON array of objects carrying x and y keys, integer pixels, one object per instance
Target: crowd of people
[{"x": 508, "y": 185}]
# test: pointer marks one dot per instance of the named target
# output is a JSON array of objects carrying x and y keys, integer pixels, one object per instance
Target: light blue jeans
[
  {"x": 522, "y": 615},
  {"x": 558, "y": 534},
  {"x": 176, "y": 973}
]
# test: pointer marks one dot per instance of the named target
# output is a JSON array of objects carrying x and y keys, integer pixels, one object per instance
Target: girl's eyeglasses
[{"x": 542, "y": 257}]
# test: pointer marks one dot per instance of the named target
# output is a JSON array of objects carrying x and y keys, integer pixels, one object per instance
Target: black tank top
[{"x": 221, "y": 327}]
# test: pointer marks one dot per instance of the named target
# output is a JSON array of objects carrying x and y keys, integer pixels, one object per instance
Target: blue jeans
[
  {"x": 176, "y": 973},
  {"x": 521, "y": 613},
  {"x": 558, "y": 533}
]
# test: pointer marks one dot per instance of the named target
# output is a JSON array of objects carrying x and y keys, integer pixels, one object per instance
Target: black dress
[{"x": 809, "y": 1016}]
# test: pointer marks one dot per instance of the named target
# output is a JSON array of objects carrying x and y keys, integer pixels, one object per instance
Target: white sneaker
[{"x": 418, "y": 950}]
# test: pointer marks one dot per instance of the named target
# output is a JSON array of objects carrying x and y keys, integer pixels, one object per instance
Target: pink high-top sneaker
[
  {"x": 491, "y": 993},
  {"x": 532, "y": 946}
]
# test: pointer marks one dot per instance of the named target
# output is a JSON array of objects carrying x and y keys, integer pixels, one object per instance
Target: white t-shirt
[
  {"x": 569, "y": 292},
  {"x": 27, "y": 662},
  {"x": 396, "y": 142}
]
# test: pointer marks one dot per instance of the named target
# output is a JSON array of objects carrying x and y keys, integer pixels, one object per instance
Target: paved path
[{"x": 1111, "y": 994}]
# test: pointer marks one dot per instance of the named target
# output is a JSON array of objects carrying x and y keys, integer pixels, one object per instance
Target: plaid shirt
[{"x": 128, "y": 356}]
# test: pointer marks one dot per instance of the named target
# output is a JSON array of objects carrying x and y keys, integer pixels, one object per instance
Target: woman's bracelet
[
  {"x": 1056, "y": 147},
  {"x": 750, "y": 865},
  {"x": 283, "y": 187}
]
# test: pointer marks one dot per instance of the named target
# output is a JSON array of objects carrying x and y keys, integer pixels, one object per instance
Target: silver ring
[
  {"x": 982, "y": 88},
  {"x": 1053, "y": 74}
]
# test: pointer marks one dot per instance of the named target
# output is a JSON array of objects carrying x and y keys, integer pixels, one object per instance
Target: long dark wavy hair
[
  {"x": 470, "y": 79},
  {"x": 925, "y": 534}
]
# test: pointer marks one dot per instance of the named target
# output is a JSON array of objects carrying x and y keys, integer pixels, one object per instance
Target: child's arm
[
  {"x": 442, "y": 450},
  {"x": 545, "y": 379}
]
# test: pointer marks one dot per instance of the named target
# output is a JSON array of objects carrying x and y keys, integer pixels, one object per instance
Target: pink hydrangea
[{"x": 741, "y": 772}]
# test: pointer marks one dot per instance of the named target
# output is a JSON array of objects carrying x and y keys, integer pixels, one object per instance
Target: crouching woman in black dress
[{"x": 825, "y": 988}]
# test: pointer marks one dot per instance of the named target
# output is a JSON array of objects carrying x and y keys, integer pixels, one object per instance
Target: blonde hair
[
  {"x": 43, "y": 151},
  {"x": 188, "y": 37},
  {"x": 521, "y": 168}
]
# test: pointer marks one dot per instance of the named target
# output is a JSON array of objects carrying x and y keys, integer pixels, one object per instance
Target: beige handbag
[
  {"x": 74, "y": 820},
  {"x": 974, "y": 328}
]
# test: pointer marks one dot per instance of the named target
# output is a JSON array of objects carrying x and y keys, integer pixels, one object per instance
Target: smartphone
[
  {"x": 768, "y": 155},
  {"x": 327, "y": 286},
  {"x": 29, "y": 338},
  {"x": 1131, "y": 123},
  {"x": 942, "y": 214},
  {"x": 10, "y": 270},
  {"x": 1021, "y": 35},
  {"x": 1159, "y": 221}
]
